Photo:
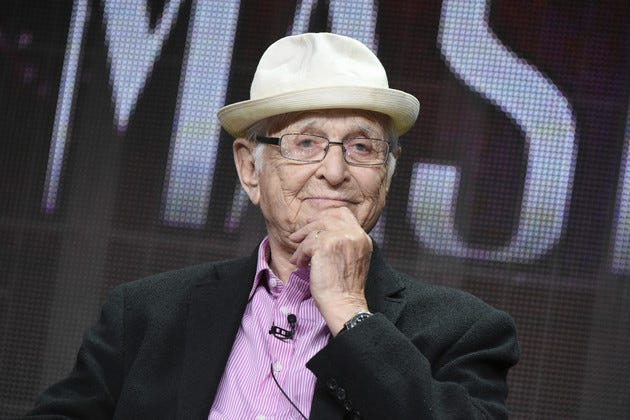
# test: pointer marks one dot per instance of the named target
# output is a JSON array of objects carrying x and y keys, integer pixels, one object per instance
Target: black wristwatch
[{"x": 358, "y": 317}]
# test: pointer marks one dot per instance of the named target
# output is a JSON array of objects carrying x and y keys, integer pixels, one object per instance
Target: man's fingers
[
  {"x": 303, "y": 253},
  {"x": 309, "y": 229},
  {"x": 300, "y": 234},
  {"x": 327, "y": 220}
]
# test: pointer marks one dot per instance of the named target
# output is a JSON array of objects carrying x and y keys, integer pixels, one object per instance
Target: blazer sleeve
[
  {"x": 451, "y": 367},
  {"x": 91, "y": 389}
]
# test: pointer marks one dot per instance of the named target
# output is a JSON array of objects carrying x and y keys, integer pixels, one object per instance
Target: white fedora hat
[{"x": 319, "y": 71}]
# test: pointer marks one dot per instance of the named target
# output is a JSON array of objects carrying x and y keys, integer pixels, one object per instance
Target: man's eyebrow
[
  {"x": 307, "y": 124},
  {"x": 361, "y": 130},
  {"x": 365, "y": 130}
]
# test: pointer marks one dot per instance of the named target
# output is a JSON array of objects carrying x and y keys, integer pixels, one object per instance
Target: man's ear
[
  {"x": 243, "y": 151},
  {"x": 397, "y": 152}
]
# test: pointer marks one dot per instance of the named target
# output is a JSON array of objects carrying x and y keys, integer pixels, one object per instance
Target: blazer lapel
[
  {"x": 383, "y": 288},
  {"x": 216, "y": 307}
]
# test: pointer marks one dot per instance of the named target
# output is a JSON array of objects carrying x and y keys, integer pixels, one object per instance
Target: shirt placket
[{"x": 282, "y": 350}]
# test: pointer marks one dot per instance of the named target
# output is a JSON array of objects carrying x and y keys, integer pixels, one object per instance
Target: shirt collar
[{"x": 298, "y": 278}]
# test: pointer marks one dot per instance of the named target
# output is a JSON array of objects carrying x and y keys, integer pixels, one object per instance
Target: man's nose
[{"x": 334, "y": 167}]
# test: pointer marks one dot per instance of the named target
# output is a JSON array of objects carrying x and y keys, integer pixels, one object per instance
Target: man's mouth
[{"x": 329, "y": 201}]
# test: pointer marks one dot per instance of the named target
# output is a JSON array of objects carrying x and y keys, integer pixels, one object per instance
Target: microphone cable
[
  {"x": 283, "y": 335},
  {"x": 284, "y": 393}
]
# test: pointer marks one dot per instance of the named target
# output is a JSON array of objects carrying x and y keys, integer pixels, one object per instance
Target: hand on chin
[{"x": 338, "y": 251}]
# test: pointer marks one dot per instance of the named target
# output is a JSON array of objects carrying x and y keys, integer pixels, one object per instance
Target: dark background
[{"x": 57, "y": 266}]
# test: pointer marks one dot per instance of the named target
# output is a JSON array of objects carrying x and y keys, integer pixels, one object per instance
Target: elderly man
[{"x": 314, "y": 324}]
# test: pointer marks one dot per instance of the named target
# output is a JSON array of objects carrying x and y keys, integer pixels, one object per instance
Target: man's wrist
[{"x": 359, "y": 316}]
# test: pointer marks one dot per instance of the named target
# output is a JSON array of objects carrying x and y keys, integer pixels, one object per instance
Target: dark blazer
[{"x": 160, "y": 346}]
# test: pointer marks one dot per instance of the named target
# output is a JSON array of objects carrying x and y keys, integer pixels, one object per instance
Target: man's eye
[
  {"x": 361, "y": 146},
  {"x": 305, "y": 143}
]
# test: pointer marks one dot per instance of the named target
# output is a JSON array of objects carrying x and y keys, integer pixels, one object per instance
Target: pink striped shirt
[{"x": 247, "y": 390}]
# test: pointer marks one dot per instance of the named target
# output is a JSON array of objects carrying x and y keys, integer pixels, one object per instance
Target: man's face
[{"x": 291, "y": 193}]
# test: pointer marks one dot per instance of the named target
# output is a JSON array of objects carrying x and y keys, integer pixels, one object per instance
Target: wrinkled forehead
[{"x": 365, "y": 123}]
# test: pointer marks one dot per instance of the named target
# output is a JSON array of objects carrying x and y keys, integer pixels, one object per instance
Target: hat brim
[{"x": 402, "y": 107}]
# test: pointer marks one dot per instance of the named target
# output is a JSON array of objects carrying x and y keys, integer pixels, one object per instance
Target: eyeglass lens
[{"x": 312, "y": 148}]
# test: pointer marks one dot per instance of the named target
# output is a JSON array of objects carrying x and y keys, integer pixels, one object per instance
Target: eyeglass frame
[{"x": 277, "y": 141}]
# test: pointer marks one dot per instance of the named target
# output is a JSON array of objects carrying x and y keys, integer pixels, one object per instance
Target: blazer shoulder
[
  {"x": 442, "y": 303},
  {"x": 176, "y": 285},
  {"x": 388, "y": 281}
]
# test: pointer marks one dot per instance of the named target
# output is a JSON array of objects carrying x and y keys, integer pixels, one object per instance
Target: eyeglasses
[{"x": 313, "y": 148}]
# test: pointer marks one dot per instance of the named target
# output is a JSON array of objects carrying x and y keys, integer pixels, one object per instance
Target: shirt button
[
  {"x": 277, "y": 366},
  {"x": 284, "y": 310},
  {"x": 260, "y": 417},
  {"x": 272, "y": 282}
]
